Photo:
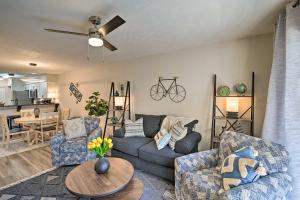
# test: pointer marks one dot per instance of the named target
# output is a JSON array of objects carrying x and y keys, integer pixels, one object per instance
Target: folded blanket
[{"x": 175, "y": 126}]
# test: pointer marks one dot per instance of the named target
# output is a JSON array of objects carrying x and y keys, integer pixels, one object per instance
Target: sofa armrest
[
  {"x": 274, "y": 186},
  {"x": 119, "y": 133},
  {"x": 55, "y": 143},
  {"x": 188, "y": 144},
  {"x": 96, "y": 133}
]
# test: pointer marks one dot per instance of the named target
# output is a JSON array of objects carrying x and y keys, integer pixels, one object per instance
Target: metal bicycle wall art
[{"x": 175, "y": 92}]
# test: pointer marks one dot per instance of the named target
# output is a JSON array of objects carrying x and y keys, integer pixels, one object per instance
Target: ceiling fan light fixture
[{"x": 95, "y": 40}]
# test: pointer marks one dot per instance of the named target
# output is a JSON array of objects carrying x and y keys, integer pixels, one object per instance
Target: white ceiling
[{"x": 151, "y": 27}]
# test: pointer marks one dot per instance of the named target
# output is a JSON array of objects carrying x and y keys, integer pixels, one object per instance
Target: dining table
[{"x": 32, "y": 123}]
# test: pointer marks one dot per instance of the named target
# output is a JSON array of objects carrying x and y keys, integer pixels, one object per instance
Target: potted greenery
[
  {"x": 96, "y": 106},
  {"x": 101, "y": 147}
]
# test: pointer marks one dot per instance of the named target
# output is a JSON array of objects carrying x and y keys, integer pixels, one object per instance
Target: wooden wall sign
[{"x": 74, "y": 91}]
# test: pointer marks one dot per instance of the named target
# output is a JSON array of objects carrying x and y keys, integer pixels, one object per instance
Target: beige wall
[{"x": 232, "y": 61}]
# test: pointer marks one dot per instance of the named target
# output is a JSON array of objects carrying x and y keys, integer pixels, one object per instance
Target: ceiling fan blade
[
  {"x": 109, "y": 45},
  {"x": 111, "y": 25},
  {"x": 66, "y": 32}
]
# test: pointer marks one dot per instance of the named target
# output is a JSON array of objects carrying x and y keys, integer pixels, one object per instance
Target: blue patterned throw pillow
[{"x": 240, "y": 168}]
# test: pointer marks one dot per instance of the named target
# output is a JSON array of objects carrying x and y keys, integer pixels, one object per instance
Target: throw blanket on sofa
[{"x": 175, "y": 126}]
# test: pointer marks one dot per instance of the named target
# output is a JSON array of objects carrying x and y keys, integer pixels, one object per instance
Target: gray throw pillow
[
  {"x": 151, "y": 123},
  {"x": 74, "y": 128}
]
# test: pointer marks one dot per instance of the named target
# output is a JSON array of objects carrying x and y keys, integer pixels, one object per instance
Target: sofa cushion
[
  {"x": 204, "y": 184},
  {"x": 74, "y": 145},
  {"x": 151, "y": 123},
  {"x": 164, "y": 157},
  {"x": 130, "y": 145},
  {"x": 274, "y": 157}
]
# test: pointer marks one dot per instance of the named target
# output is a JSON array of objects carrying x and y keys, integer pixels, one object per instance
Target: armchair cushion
[
  {"x": 164, "y": 157},
  {"x": 130, "y": 145},
  {"x": 74, "y": 145},
  {"x": 188, "y": 144},
  {"x": 151, "y": 124},
  {"x": 274, "y": 157},
  {"x": 274, "y": 186}
]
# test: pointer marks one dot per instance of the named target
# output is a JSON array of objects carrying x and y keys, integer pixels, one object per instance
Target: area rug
[
  {"x": 18, "y": 146},
  {"x": 50, "y": 186}
]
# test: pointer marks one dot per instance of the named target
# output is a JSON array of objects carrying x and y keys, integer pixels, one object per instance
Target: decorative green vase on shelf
[
  {"x": 240, "y": 88},
  {"x": 224, "y": 91}
]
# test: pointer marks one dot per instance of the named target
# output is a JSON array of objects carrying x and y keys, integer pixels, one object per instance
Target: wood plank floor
[{"x": 19, "y": 166}]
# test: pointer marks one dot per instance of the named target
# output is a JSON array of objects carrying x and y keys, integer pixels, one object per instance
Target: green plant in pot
[
  {"x": 114, "y": 120},
  {"x": 96, "y": 106}
]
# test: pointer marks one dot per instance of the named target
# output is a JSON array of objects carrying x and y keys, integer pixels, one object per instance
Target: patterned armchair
[
  {"x": 197, "y": 176},
  {"x": 74, "y": 151}
]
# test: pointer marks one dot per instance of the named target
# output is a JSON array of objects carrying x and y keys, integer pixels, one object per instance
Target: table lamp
[
  {"x": 232, "y": 107},
  {"x": 119, "y": 102}
]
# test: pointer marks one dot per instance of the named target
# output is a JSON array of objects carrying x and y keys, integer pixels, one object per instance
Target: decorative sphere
[
  {"x": 240, "y": 88},
  {"x": 224, "y": 91}
]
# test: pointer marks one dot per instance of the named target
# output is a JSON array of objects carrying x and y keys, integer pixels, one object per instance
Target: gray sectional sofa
[{"x": 143, "y": 153}]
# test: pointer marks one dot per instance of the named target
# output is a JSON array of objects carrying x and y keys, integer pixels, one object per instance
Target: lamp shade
[
  {"x": 119, "y": 101},
  {"x": 95, "y": 40},
  {"x": 232, "y": 104}
]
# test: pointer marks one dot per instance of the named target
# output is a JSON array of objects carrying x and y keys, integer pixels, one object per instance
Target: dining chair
[
  {"x": 64, "y": 115},
  {"x": 47, "y": 127},
  {"x": 27, "y": 113},
  {"x": 7, "y": 134}
]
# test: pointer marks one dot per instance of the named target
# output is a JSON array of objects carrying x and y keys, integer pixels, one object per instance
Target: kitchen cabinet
[{"x": 41, "y": 88}]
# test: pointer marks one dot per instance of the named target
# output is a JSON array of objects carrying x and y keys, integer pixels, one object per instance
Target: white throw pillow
[
  {"x": 134, "y": 128},
  {"x": 162, "y": 139},
  {"x": 178, "y": 132},
  {"x": 74, "y": 128}
]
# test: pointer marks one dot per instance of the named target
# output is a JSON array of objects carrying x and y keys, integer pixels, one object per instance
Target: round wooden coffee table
[{"x": 117, "y": 183}]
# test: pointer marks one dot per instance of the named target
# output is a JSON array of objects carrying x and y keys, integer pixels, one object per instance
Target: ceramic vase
[{"x": 102, "y": 165}]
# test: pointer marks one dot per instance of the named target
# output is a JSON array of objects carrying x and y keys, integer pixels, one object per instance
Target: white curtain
[{"x": 282, "y": 119}]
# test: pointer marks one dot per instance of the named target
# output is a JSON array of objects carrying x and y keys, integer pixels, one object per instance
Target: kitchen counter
[
  {"x": 12, "y": 109},
  {"x": 29, "y": 105}
]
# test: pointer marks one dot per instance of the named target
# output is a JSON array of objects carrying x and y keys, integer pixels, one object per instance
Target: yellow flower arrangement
[{"x": 100, "y": 146}]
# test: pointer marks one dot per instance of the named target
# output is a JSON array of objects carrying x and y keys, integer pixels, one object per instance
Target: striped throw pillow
[
  {"x": 178, "y": 132},
  {"x": 134, "y": 128},
  {"x": 162, "y": 139}
]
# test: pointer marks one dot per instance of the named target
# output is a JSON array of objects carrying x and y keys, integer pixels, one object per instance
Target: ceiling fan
[{"x": 96, "y": 34}]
